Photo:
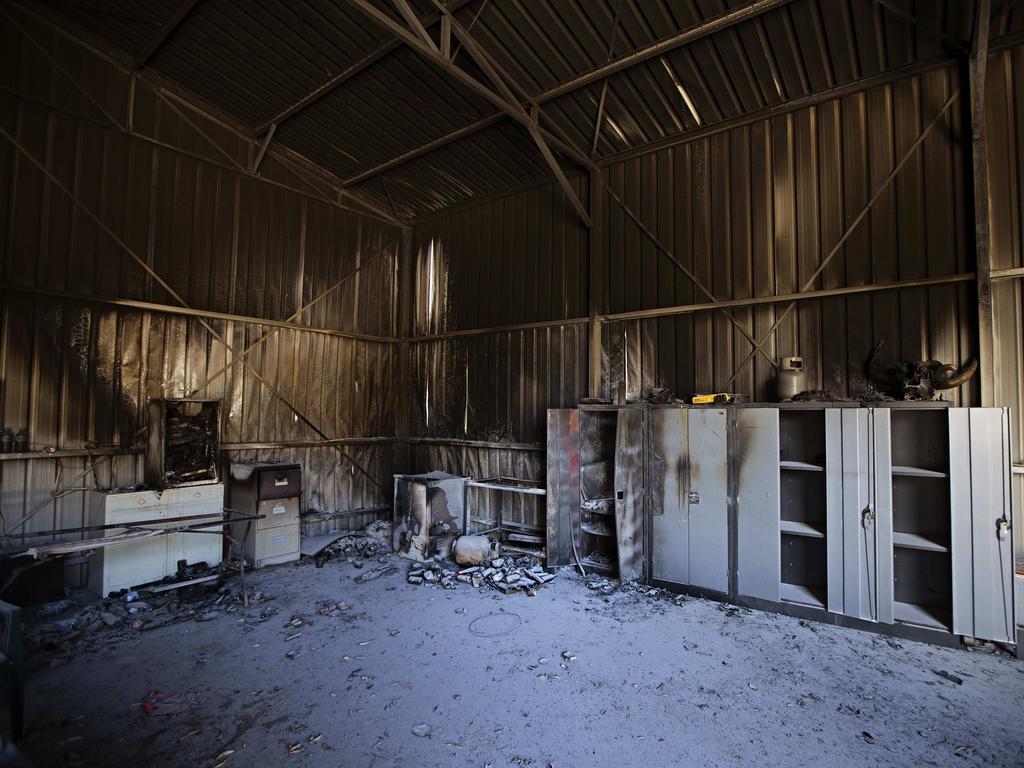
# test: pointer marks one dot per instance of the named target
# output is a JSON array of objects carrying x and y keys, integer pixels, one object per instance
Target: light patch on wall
[
  {"x": 431, "y": 285},
  {"x": 682, "y": 91}
]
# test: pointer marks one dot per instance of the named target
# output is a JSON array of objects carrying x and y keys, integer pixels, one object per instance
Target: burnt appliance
[
  {"x": 183, "y": 443},
  {"x": 428, "y": 515}
]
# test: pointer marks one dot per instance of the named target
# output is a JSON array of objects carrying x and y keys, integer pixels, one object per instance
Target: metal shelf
[
  {"x": 922, "y": 615},
  {"x": 797, "y": 593},
  {"x": 917, "y": 541},
  {"x": 801, "y": 466},
  {"x": 900, "y": 471},
  {"x": 795, "y": 528}
]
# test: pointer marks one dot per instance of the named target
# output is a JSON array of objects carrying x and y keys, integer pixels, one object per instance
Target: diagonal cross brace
[
  {"x": 682, "y": 268},
  {"x": 809, "y": 284},
  {"x": 174, "y": 294},
  {"x": 509, "y": 106}
]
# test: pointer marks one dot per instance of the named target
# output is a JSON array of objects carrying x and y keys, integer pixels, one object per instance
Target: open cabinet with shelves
[
  {"x": 921, "y": 517},
  {"x": 803, "y": 524},
  {"x": 598, "y": 548}
]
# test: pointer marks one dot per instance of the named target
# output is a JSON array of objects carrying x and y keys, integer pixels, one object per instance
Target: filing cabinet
[{"x": 273, "y": 491}]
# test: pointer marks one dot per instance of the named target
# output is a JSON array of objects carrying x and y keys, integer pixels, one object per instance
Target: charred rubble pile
[
  {"x": 372, "y": 543},
  {"x": 504, "y": 574},
  {"x": 68, "y": 629}
]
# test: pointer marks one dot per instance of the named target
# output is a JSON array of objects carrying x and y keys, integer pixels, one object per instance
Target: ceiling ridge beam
[
  {"x": 165, "y": 31},
  {"x": 657, "y": 48},
  {"x": 512, "y": 108}
]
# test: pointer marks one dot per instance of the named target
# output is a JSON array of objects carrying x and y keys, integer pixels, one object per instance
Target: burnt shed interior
[{"x": 305, "y": 253}]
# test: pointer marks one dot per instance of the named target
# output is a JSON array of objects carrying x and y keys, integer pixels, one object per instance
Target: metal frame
[
  {"x": 166, "y": 30},
  {"x": 505, "y": 101},
  {"x": 658, "y": 48}
]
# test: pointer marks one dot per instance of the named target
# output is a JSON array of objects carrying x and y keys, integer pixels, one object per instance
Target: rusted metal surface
[{"x": 78, "y": 372}]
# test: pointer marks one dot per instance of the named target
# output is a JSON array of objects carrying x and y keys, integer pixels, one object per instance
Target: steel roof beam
[
  {"x": 166, "y": 30},
  {"x": 658, "y": 48},
  {"x": 350, "y": 71},
  {"x": 510, "y": 107}
]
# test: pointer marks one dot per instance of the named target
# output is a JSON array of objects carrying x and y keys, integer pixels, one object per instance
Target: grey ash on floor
[{"x": 378, "y": 672}]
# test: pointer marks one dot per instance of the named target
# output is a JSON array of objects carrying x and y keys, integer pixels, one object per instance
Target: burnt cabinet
[
  {"x": 687, "y": 491},
  {"x": 595, "y": 489},
  {"x": 273, "y": 491}
]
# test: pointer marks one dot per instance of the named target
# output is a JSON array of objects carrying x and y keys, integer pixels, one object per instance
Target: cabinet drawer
[
  {"x": 276, "y": 545},
  {"x": 213, "y": 492},
  {"x": 277, "y": 512},
  {"x": 126, "y": 502},
  {"x": 280, "y": 483}
]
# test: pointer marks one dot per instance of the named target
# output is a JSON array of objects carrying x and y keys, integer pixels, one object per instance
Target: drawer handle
[
  {"x": 142, "y": 502},
  {"x": 278, "y": 510},
  {"x": 281, "y": 480},
  {"x": 278, "y": 539}
]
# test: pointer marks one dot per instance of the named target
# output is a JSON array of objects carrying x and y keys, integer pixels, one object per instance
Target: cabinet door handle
[{"x": 868, "y": 515}]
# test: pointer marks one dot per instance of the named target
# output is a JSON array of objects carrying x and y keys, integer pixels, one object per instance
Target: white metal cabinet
[
  {"x": 122, "y": 566},
  {"x": 687, "y": 492}
]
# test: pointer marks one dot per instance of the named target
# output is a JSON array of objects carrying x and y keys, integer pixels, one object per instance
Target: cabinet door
[
  {"x": 867, "y": 515},
  {"x": 758, "y": 557},
  {"x": 563, "y": 485},
  {"x": 629, "y": 493},
  {"x": 667, "y": 482},
  {"x": 979, "y": 504},
  {"x": 706, "y": 499}
]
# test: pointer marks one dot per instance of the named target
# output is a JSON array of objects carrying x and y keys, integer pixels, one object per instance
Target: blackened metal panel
[
  {"x": 758, "y": 494},
  {"x": 563, "y": 485},
  {"x": 668, "y": 479},
  {"x": 629, "y": 493},
  {"x": 707, "y": 499}
]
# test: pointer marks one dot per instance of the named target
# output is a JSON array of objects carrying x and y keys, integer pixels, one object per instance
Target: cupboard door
[
  {"x": 865, "y": 512},
  {"x": 629, "y": 493},
  {"x": 758, "y": 557},
  {"x": 834, "y": 542},
  {"x": 980, "y": 508},
  {"x": 563, "y": 485},
  {"x": 706, "y": 499},
  {"x": 667, "y": 482}
]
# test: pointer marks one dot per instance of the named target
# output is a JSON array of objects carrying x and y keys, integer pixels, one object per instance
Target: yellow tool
[{"x": 718, "y": 398}]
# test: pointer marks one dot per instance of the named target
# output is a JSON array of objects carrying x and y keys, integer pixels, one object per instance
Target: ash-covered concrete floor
[{"x": 482, "y": 676}]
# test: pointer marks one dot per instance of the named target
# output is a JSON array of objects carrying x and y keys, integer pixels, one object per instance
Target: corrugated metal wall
[
  {"x": 751, "y": 211},
  {"x": 1005, "y": 133},
  {"x": 76, "y": 372},
  {"x": 754, "y": 210}
]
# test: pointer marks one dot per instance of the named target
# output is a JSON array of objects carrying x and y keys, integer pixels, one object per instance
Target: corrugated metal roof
[{"x": 261, "y": 59}]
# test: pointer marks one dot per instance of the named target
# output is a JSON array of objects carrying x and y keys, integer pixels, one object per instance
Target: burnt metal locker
[
  {"x": 563, "y": 486},
  {"x": 629, "y": 493},
  {"x": 687, "y": 482}
]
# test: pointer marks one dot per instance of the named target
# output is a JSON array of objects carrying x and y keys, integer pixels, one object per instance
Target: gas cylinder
[{"x": 792, "y": 380}]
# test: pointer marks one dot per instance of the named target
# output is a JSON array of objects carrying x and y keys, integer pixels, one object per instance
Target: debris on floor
[
  {"x": 114, "y": 619},
  {"x": 356, "y": 547},
  {"x": 505, "y": 574}
]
